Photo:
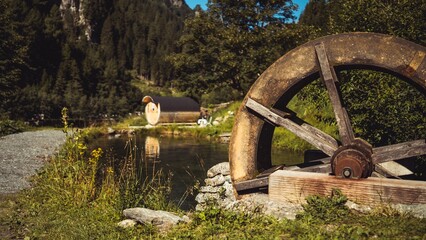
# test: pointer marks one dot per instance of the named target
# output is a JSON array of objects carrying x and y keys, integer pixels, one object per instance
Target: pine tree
[{"x": 13, "y": 50}]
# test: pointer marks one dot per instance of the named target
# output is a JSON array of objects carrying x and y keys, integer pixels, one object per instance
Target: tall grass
[
  {"x": 75, "y": 198},
  {"x": 141, "y": 184}
]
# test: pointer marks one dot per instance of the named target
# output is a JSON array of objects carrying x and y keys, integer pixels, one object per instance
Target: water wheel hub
[{"x": 353, "y": 161}]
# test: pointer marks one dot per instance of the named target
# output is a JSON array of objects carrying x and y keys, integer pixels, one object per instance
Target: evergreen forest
[
  {"x": 82, "y": 54},
  {"x": 87, "y": 54}
]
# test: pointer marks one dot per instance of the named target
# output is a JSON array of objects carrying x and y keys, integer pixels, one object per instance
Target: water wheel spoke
[
  {"x": 320, "y": 165},
  {"x": 320, "y": 168},
  {"x": 399, "y": 151},
  {"x": 330, "y": 79},
  {"x": 392, "y": 169},
  {"x": 314, "y": 136}
]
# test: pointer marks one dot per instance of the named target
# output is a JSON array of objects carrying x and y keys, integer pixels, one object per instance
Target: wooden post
[{"x": 294, "y": 187}]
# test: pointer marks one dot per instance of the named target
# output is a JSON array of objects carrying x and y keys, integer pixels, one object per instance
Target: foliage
[
  {"x": 314, "y": 108},
  {"x": 232, "y": 43},
  {"x": 325, "y": 209},
  {"x": 315, "y": 14},
  {"x": 399, "y": 18},
  {"x": 13, "y": 51},
  {"x": 10, "y": 127},
  {"x": 398, "y": 112},
  {"x": 220, "y": 95},
  {"x": 79, "y": 55}
]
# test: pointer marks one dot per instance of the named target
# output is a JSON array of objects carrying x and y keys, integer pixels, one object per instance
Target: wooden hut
[{"x": 171, "y": 110}]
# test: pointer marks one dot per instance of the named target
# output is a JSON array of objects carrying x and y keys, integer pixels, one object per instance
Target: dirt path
[{"x": 22, "y": 154}]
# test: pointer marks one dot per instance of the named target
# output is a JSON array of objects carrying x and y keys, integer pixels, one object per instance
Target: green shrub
[
  {"x": 9, "y": 127},
  {"x": 326, "y": 209}
]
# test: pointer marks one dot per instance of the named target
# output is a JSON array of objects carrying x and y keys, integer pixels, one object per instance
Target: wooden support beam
[
  {"x": 251, "y": 184},
  {"x": 296, "y": 186}
]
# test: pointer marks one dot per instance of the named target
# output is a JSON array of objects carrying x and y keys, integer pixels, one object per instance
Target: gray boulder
[
  {"x": 161, "y": 219},
  {"x": 220, "y": 168}
]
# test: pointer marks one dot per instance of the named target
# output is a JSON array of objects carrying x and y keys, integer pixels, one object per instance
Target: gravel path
[{"x": 22, "y": 154}]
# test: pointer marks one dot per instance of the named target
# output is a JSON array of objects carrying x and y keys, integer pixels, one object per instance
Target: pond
[{"x": 187, "y": 159}]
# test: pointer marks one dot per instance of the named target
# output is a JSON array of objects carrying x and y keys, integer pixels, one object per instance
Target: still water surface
[{"x": 186, "y": 159}]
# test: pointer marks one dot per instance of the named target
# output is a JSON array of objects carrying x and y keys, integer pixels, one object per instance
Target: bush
[
  {"x": 220, "y": 95},
  {"x": 10, "y": 127}
]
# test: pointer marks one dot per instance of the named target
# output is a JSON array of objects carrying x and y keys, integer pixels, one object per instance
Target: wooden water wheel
[{"x": 351, "y": 160}]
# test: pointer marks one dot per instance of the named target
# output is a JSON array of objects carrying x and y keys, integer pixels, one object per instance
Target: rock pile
[
  {"x": 218, "y": 191},
  {"x": 218, "y": 188}
]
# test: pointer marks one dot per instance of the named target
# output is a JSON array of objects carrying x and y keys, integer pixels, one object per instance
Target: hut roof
[{"x": 174, "y": 104}]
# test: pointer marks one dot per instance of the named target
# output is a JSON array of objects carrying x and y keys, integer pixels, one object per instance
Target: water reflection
[
  {"x": 152, "y": 149},
  {"x": 186, "y": 159}
]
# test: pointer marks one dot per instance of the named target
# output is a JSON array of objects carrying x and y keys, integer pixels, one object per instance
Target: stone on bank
[{"x": 161, "y": 219}]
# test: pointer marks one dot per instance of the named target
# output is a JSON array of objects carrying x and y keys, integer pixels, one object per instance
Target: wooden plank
[
  {"x": 268, "y": 172},
  {"x": 290, "y": 186},
  {"x": 330, "y": 79},
  {"x": 385, "y": 172},
  {"x": 320, "y": 165},
  {"x": 394, "y": 168},
  {"x": 320, "y": 134},
  {"x": 281, "y": 113},
  {"x": 320, "y": 168},
  {"x": 251, "y": 184},
  {"x": 404, "y": 145},
  {"x": 398, "y": 153},
  {"x": 415, "y": 63},
  {"x": 303, "y": 132}
]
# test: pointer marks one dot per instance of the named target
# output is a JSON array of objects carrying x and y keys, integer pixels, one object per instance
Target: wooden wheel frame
[{"x": 262, "y": 108}]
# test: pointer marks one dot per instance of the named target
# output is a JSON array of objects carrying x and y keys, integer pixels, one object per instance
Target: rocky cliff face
[
  {"x": 177, "y": 3},
  {"x": 74, "y": 10}
]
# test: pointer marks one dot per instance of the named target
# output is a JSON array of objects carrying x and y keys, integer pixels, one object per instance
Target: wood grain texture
[
  {"x": 251, "y": 184},
  {"x": 330, "y": 79},
  {"x": 399, "y": 151},
  {"x": 293, "y": 186}
]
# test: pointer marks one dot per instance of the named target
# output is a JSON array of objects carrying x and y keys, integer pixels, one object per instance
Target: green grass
[
  {"x": 323, "y": 218},
  {"x": 131, "y": 121}
]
